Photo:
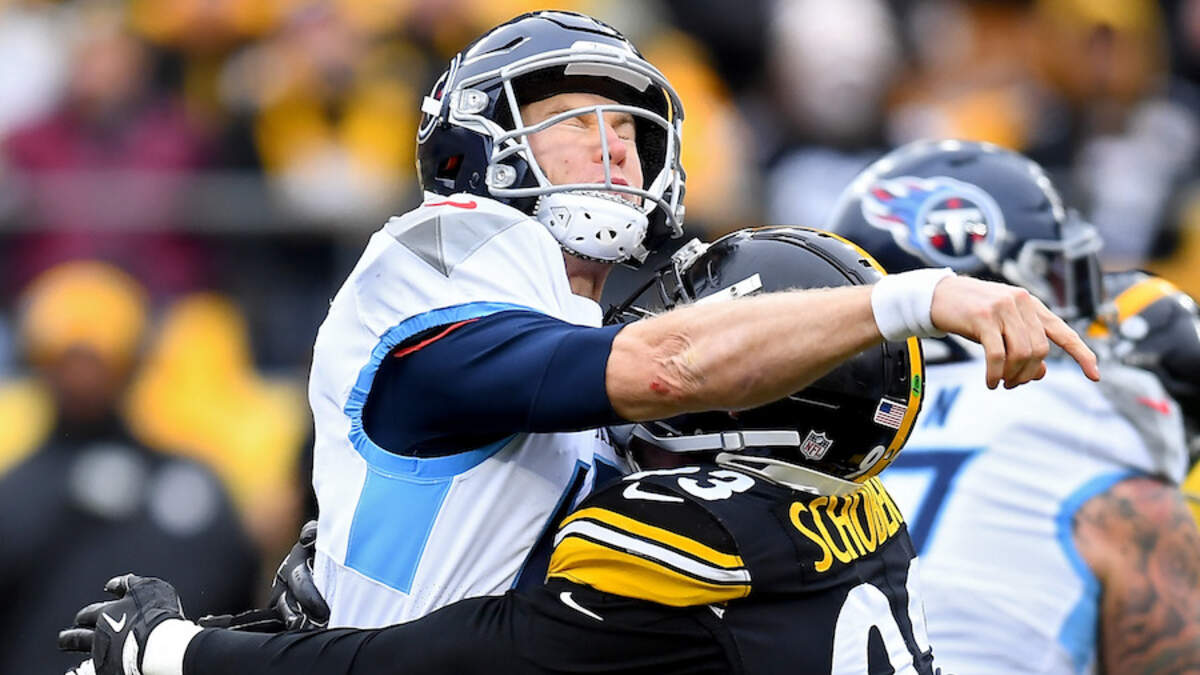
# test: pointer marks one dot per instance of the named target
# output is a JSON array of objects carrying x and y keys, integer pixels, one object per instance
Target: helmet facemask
[
  {"x": 608, "y": 220},
  {"x": 1064, "y": 273}
]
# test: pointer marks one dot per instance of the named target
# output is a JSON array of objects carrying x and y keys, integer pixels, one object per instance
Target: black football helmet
[
  {"x": 839, "y": 431},
  {"x": 1155, "y": 326},
  {"x": 979, "y": 210},
  {"x": 472, "y": 138}
]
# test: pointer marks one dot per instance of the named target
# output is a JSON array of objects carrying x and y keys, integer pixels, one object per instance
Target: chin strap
[
  {"x": 594, "y": 225},
  {"x": 721, "y": 440},
  {"x": 790, "y": 475}
]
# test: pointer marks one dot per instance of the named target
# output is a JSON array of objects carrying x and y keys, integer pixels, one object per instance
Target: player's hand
[
  {"x": 115, "y": 632},
  {"x": 1014, "y": 327},
  {"x": 294, "y": 594},
  {"x": 295, "y": 602}
]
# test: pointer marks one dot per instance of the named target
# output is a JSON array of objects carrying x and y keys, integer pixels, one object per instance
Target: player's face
[{"x": 571, "y": 151}]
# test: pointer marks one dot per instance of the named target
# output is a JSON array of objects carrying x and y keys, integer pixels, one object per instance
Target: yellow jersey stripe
[
  {"x": 657, "y": 534},
  {"x": 604, "y": 569},
  {"x": 623, "y": 541}
]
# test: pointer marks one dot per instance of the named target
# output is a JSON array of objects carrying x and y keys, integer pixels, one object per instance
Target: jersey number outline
[
  {"x": 717, "y": 485},
  {"x": 866, "y": 607}
]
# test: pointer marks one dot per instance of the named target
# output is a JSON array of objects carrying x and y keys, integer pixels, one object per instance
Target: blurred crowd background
[{"x": 185, "y": 183}]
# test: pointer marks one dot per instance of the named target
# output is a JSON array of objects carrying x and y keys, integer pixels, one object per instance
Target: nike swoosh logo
[
  {"x": 634, "y": 491},
  {"x": 117, "y": 626},
  {"x": 567, "y": 600},
  {"x": 457, "y": 205}
]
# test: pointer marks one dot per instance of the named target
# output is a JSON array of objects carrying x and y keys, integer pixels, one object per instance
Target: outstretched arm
[
  {"x": 1142, "y": 544},
  {"x": 750, "y": 351},
  {"x": 143, "y": 631}
]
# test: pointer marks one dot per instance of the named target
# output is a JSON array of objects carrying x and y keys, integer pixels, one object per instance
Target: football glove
[
  {"x": 295, "y": 602},
  {"x": 115, "y": 632}
]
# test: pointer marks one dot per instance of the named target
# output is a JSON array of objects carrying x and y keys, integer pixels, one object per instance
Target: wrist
[
  {"x": 902, "y": 303},
  {"x": 166, "y": 646}
]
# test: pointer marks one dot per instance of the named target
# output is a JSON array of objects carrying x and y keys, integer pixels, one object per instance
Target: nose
[{"x": 617, "y": 151}]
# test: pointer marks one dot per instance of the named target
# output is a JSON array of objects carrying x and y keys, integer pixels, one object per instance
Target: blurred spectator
[
  {"x": 831, "y": 67},
  {"x": 93, "y": 502},
  {"x": 199, "y": 393},
  {"x": 101, "y": 174},
  {"x": 718, "y": 156},
  {"x": 334, "y": 115},
  {"x": 1079, "y": 85},
  {"x": 1108, "y": 58},
  {"x": 32, "y": 65},
  {"x": 973, "y": 76}
]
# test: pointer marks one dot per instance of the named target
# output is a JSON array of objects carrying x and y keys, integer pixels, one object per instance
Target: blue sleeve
[{"x": 456, "y": 388}]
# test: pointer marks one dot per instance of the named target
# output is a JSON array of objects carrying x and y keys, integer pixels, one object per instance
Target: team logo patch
[
  {"x": 940, "y": 220},
  {"x": 815, "y": 445},
  {"x": 890, "y": 413}
]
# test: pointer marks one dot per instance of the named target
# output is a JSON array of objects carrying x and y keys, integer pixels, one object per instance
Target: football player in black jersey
[{"x": 760, "y": 543}]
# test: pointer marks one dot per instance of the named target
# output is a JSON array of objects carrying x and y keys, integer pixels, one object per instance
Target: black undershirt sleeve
[{"x": 517, "y": 633}]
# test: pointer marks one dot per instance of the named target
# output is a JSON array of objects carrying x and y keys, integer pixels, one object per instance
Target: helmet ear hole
[{"x": 448, "y": 169}]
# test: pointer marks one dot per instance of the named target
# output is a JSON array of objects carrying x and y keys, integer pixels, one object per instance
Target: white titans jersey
[
  {"x": 990, "y": 482},
  {"x": 399, "y": 537}
]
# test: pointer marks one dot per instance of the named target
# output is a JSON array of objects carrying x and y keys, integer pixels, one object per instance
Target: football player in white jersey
[
  {"x": 461, "y": 375},
  {"x": 760, "y": 543},
  {"x": 1052, "y": 533}
]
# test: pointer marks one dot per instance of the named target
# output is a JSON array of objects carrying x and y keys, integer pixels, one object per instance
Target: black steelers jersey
[
  {"x": 698, "y": 570},
  {"x": 801, "y": 583}
]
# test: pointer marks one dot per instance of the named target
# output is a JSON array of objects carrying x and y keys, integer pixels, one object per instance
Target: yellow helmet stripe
[
  {"x": 1141, "y": 295},
  {"x": 916, "y": 391},
  {"x": 866, "y": 256},
  {"x": 1134, "y": 299}
]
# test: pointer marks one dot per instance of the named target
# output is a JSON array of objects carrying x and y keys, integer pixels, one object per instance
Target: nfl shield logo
[{"x": 815, "y": 445}]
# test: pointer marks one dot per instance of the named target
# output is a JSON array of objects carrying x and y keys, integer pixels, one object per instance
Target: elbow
[
  {"x": 655, "y": 379},
  {"x": 674, "y": 374}
]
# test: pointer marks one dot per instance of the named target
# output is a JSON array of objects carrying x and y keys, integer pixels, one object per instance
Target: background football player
[
  {"x": 1051, "y": 530},
  {"x": 1154, "y": 325},
  {"x": 768, "y": 547},
  {"x": 461, "y": 374}
]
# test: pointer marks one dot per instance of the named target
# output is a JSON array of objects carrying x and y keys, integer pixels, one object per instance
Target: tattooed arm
[{"x": 1142, "y": 544}]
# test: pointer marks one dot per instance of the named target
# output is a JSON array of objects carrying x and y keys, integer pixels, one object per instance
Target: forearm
[
  {"x": 736, "y": 354},
  {"x": 468, "y": 637}
]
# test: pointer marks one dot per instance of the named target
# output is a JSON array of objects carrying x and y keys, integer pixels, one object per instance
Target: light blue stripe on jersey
[
  {"x": 396, "y": 513},
  {"x": 1079, "y": 632},
  {"x": 401, "y": 496}
]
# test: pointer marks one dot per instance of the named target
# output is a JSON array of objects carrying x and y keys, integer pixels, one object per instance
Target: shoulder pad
[
  {"x": 446, "y": 231},
  {"x": 640, "y": 538}
]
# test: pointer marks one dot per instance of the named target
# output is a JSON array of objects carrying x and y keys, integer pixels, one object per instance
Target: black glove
[
  {"x": 114, "y": 632},
  {"x": 295, "y": 602}
]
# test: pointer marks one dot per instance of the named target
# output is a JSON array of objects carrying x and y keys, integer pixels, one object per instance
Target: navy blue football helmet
[
  {"x": 472, "y": 138},
  {"x": 980, "y": 210},
  {"x": 828, "y": 437}
]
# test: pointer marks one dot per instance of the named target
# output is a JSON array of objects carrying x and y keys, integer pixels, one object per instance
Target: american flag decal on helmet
[{"x": 890, "y": 413}]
